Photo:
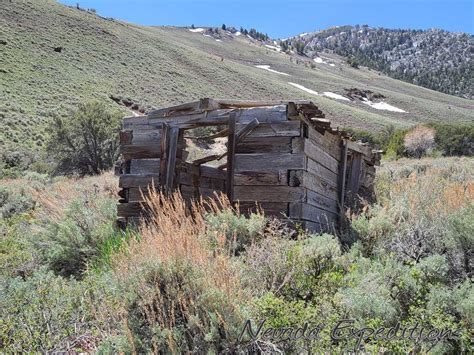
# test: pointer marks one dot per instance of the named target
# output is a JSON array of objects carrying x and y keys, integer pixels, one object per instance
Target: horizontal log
[
  {"x": 366, "y": 150},
  {"x": 318, "y": 185},
  {"x": 126, "y": 136},
  {"x": 205, "y": 171},
  {"x": 202, "y": 181},
  {"x": 136, "y": 194},
  {"x": 257, "y": 178},
  {"x": 319, "y": 155},
  {"x": 319, "y": 228},
  {"x": 205, "y": 104},
  {"x": 277, "y": 209},
  {"x": 132, "y": 209},
  {"x": 149, "y": 122},
  {"x": 269, "y": 162},
  {"x": 269, "y": 193},
  {"x": 263, "y": 114},
  {"x": 246, "y": 103},
  {"x": 320, "y": 201},
  {"x": 143, "y": 137},
  {"x": 297, "y": 145},
  {"x": 134, "y": 180},
  {"x": 265, "y": 145},
  {"x": 145, "y": 166},
  {"x": 301, "y": 210},
  {"x": 281, "y": 129},
  {"x": 328, "y": 142},
  {"x": 327, "y": 175},
  {"x": 140, "y": 151}
]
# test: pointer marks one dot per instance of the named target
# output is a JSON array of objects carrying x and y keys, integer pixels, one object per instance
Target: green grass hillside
[{"x": 52, "y": 57}]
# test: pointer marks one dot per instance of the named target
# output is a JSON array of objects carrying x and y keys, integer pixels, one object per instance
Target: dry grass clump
[
  {"x": 425, "y": 208},
  {"x": 53, "y": 199},
  {"x": 187, "y": 294}
]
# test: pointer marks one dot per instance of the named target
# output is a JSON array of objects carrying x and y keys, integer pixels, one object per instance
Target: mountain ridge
[
  {"x": 434, "y": 58},
  {"x": 55, "y": 57}
]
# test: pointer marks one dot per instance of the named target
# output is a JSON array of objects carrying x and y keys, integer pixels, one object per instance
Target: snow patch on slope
[
  {"x": 335, "y": 96},
  {"x": 382, "y": 106},
  {"x": 196, "y": 30},
  {"x": 301, "y": 87},
  {"x": 267, "y": 67},
  {"x": 278, "y": 49}
]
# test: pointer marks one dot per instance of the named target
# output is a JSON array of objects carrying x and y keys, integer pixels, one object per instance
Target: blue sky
[{"x": 281, "y": 18}]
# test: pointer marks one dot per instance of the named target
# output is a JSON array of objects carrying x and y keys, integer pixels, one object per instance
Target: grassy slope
[{"x": 159, "y": 66}]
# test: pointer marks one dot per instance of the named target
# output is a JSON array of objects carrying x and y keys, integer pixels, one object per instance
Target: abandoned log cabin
[{"x": 283, "y": 156}]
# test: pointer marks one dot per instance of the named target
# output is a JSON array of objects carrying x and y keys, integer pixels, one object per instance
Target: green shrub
[
  {"x": 240, "y": 230},
  {"x": 12, "y": 204},
  {"x": 395, "y": 146},
  {"x": 68, "y": 246},
  {"x": 454, "y": 139},
  {"x": 170, "y": 308},
  {"x": 87, "y": 142},
  {"x": 267, "y": 264},
  {"x": 44, "y": 313}
]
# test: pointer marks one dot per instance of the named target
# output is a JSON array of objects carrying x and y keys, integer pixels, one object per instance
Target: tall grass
[{"x": 187, "y": 294}]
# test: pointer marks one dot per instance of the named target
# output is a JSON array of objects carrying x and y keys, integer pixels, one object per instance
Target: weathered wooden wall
[{"x": 290, "y": 163}]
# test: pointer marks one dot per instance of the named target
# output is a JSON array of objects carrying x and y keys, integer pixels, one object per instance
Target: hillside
[
  {"x": 52, "y": 57},
  {"x": 436, "y": 59}
]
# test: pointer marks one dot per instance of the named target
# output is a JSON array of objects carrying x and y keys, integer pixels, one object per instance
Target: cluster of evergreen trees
[{"x": 435, "y": 59}]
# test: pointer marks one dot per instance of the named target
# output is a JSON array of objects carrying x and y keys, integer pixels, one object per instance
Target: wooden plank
[
  {"x": 245, "y": 103},
  {"x": 281, "y": 129},
  {"x": 145, "y": 166},
  {"x": 140, "y": 151},
  {"x": 342, "y": 186},
  {"x": 164, "y": 154},
  {"x": 263, "y": 114},
  {"x": 171, "y": 163},
  {"x": 328, "y": 142},
  {"x": 297, "y": 145},
  {"x": 322, "y": 202},
  {"x": 188, "y": 179},
  {"x": 209, "y": 171},
  {"x": 312, "y": 213},
  {"x": 269, "y": 162},
  {"x": 175, "y": 110},
  {"x": 277, "y": 209},
  {"x": 318, "y": 185},
  {"x": 150, "y": 122},
  {"x": 269, "y": 193},
  {"x": 259, "y": 178},
  {"x": 356, "y": 166},
  {"x": 135, "y": 194},
  {"x": 324, "y": 173},
  {"x": 246, "y": 130},
  {"x": 319, "y": 228},
  {"x": 134, "y": 180},
  {"x": 231, "y": 142},
  {"x": 265, "y": 145},
  {"x": 132, "y": 209},
  {"x": 126, "y": 136},
  {"x": 322, "y": 157},
  {"x": 366, "y": 150},
  {"x": 141, "y": 137}
]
